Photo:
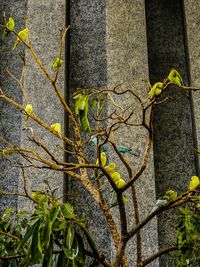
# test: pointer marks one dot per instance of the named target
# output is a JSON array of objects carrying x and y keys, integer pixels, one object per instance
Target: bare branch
[{"x": 157, "y": 255}]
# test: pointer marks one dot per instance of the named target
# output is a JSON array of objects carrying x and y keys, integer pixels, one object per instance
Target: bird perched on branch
[
  {"x": 175, "y": 77},
  {"x": 23, "y": 35}
]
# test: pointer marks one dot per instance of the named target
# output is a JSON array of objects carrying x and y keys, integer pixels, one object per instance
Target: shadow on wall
[{"x": 174, "y": 137}]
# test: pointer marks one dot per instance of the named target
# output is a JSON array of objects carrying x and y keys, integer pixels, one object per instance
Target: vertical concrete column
[
  {"x": 127, "y": 64},
  {"x": 174, "y": 159},
  {"x": 10, "y": 120},
  {"x": 88, "y": 69},
  {"x": 192, "y": 20},
  {"x": 108, "y": 47},
  {"x": 45, "y": 20}
]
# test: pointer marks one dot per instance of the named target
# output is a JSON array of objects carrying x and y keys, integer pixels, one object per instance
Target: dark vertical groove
[
  {"x": 66, "y": 93},
  {"x": 194, "y": 130},
  {"x": 10, "y": 119},
  {"x": 174, "y": 128},
  {"x": 88, "y": 69}
]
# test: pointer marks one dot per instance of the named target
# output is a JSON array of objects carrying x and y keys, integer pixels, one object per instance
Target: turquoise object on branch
[{"x": 128, "y": 150}]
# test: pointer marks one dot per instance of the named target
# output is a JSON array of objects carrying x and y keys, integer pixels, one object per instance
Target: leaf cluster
[
  {"x": 188, "y": 238},
  {"x": 49, "y": 237}
]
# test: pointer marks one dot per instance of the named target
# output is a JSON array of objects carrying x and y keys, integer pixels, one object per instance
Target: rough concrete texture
[
  {"x": 45, "y": 19},
  {"x": 128, "y": 65},
  {"x": 88, "y": 68},
  {"x": 174, "y": 158},
  {"x": 10, "y": 119},
  {"x": 192, "y": 20},
  {"x": 105, "y": 43}
]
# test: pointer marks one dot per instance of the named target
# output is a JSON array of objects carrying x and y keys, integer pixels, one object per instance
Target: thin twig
[{"x": 157, "y": 255}]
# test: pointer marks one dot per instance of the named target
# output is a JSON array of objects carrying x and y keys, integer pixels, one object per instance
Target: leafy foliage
[
  {"x": 188, "y": 236},
  {"x": 50, "y": 238},
  {"x": 82, "y": 105},
  {"x": 11, "y": 226}
]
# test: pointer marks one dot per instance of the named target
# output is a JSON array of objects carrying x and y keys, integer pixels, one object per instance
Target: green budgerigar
[
  {"x": 170, "y": 195},
  {"x": 156, "y": 90},
  {"x": 175, "y": 77},
  {"x": 57, "y": 63}
]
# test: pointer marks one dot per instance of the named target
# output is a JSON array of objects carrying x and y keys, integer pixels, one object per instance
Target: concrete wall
[
  {"x": 10, "y": 120},
  {"x": 110, "y": 43}
]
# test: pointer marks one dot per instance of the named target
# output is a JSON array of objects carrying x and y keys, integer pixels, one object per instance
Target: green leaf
[
  {"x": 94, "y": 103},
  {"x": 75, "y": 247},
  {"x": 81, "y": 109},
  {"x": 13, "y": 263},
  {"x": 84, "y": 122},
  {"x": 47, "y": 261},
  {"x": 28, "y": 234},
  {"x": 7, "y": 212},
  {"x": 80, "y": 100},
  {"x": 36, "y": 247},
  {"x": 46, "y": 234},
  {"x": 61, "y": 260},
  {"x": 67, "y": 210},
  {"x": 54, "y": 214},
  {"x": 81, "y": 253},
  {"x": 70, "y": 237},
  {"x": 69, "y": 253}
]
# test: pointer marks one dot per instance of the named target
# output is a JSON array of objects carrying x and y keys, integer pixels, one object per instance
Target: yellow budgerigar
[
  {"x": 103, "y": 159},
  {"x": 10, "y": 25},
  {"x": 57, "y": 128},
  {"x": 23, "y": 35},
  {"x": 29, "y": 111},
  {"x": 194, "y": 182},
  {"x": 120, "y": 183},
  {"x": 116, "y": 176},
  {"x": 111, "y": 168}
]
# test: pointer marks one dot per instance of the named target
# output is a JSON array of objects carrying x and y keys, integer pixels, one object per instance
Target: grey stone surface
[
  {"x": 192, "y": 18},
  {"x": 45, "y": 19},
  {"x": 88, "y": 68},
  {"x": 128, "y": 64},
  {"x": 108, "y": 47},
  {"x": 10, "y": 119},
  {"x": 174, "y": 158},
  {"x": 108, "y": 44}
]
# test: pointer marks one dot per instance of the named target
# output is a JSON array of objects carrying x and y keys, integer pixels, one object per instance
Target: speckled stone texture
[
  {"x": 10, "y": 119},
  {"x": 192, "y": 17},
  {"x": 45, "y": 19},
  {"x": 173, "y": 124},
  {"x": 108, "y": 47},
  {"x": 88, "y": 68},
  {"x": 128, "y": 65}
]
